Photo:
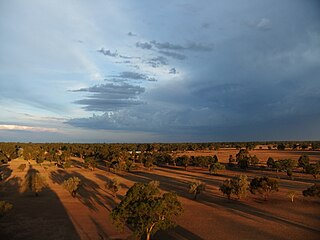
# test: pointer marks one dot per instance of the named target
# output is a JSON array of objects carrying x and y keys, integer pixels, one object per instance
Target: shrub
[
  {"x": 215, "y": 167},
  {"x": 114, "y": 186},
  {"x": 196, "y": 187},
  {"x": 226, "y": 188},
  {"x": 303, "y": 161},
  {"x": 313, "y": 191},
  {"x": 72, "y": 185}
]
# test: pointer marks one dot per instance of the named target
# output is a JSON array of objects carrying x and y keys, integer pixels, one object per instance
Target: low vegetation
[
  {"x": 114, "y": 186},
  {"x": 196, "y": 187},
  {"x": 72, "y": 185}
]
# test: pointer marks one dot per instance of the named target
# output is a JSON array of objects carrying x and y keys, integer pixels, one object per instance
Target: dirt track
[{"x": 56, "y": 215}]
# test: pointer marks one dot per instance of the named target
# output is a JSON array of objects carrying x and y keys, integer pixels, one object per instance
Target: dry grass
[{"x": 56, "y": 215}]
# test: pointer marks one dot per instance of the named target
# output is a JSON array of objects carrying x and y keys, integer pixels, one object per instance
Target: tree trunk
[{"x": 148, "y": 236}]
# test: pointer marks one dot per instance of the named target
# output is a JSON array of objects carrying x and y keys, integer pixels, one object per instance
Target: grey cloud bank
[{"x": 230, "y": 71}]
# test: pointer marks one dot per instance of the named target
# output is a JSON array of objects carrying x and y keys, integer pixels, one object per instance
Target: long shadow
[
  {"x": 5, "y": 172},
  {"x": 239, "y": 208},
  {"x": 42, "y": 217},
  {"x": 205, "y": 177},
  {"x": 89, "y": 194},
  {"x": 177, "y": 233}
]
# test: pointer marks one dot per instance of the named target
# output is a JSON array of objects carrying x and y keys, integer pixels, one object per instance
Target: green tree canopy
[
  {"x": 263, "y": 186},
  {"x": 146, "y": 210}
]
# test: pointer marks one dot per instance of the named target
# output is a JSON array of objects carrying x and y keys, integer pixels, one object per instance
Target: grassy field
[{"x": 55, "y": 214}]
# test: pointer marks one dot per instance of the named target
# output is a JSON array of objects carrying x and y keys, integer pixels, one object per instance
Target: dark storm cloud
[
  {"x": 108, "y": 52},
  {"x": 259, "y": 83},
  {"x": 144, "y": 45},
  {"x": 174, "y": 55},
  {"x": 110, "y": 96}
]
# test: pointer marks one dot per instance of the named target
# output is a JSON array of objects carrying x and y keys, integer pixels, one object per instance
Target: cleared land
[{"x": 55, "y": 214}]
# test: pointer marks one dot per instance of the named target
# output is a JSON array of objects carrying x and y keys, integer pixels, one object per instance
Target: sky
[{"x": 159, "y": 71}]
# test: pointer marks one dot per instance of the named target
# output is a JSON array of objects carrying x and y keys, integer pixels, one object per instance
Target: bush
[
  {"x": 114, "y": 186},
  {"x": 270, "y": 162},
  {"x": 226, "y": 188},
  {"x": 313, "y": 169},
  {"x": 72, "y": 185},
  {"x": 215, "y": 167},
  {"x": 313, "y": 191},
  {"x": 196, "y": 187},
  {"x": 303, "y": 161}
]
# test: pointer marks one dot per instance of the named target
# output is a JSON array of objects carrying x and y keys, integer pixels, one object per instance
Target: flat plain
[{"x": 55, "y": 214}]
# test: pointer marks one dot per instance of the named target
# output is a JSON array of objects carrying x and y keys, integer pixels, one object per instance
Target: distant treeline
[{"x": 30, "y": 150}]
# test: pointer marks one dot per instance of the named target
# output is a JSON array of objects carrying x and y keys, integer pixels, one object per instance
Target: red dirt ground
[{"x": 56, "y": 215}]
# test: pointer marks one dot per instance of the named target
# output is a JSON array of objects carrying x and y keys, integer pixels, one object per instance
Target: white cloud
[{"x": 27, "y": 128}]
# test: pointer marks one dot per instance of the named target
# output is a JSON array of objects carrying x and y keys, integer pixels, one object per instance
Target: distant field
[
  {"x": 263, "y": 155},
  {"x": 56, "y": 215}
]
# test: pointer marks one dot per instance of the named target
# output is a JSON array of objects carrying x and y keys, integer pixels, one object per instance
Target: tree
[
  {"x": 146, "y": 210},
  {"x": 5, "y": 207},
  {"x": 196, "y": 187},
  {"x": 183, "y": 161},
  {"x": 72, "y": 185},
  {"x": 313, "y": 191},
  {"x": 313, "y": 169},
  {"x": 288, "y": 165},
  {"x": 35, "y": 182},
  {"x": 226, "y": 188},
  {"x": 270, "y": 162},
  {"x": 263, "y": 186},
  {"x": 254, "y": 160},
  {"x": 213, "y": 169},
  {"x": 147, "y": 160},
  {"x": 240, "y": 186},
  {"x": 243, "y": 158},
  {"x": 114, "y": 186},
  {"x": 281, "y": 146},
  {"x": 303, "y": 160},
  {"x": 291, "y": 195}
]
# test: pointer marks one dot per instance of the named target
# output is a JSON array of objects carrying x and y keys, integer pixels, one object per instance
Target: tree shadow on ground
[
  {"x": 5, "y": 172},
  {"x": 42, "y": 217},
  {"x": 213, "y": 200},
  {"x": 176, "y": 233}
]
